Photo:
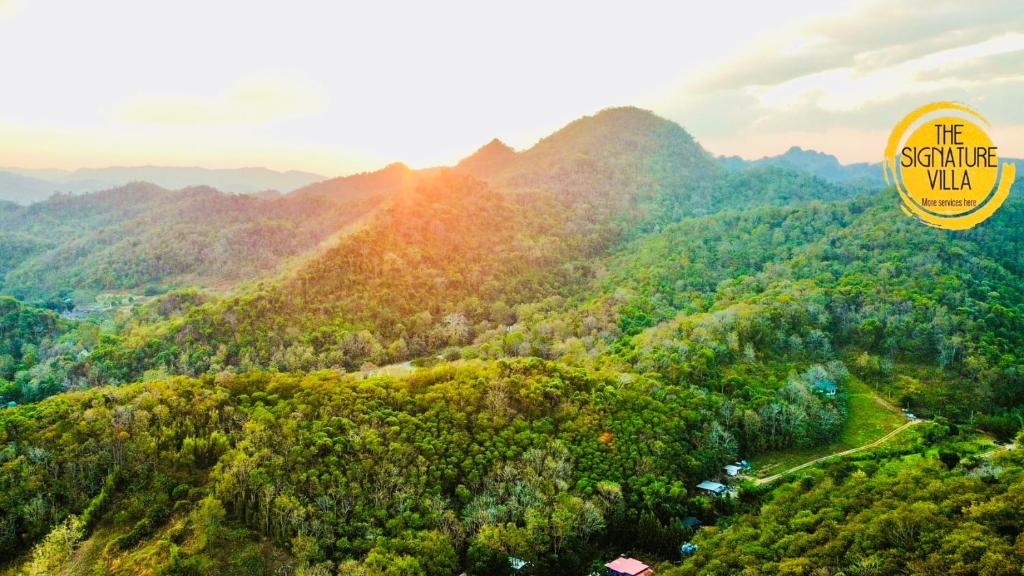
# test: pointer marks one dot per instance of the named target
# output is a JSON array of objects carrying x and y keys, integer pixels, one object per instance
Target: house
[
  {"x": 825, "y": 386},
  {"x": 732, "y": 470},
  {"x": 688, "y": 548},
  {"x": 690, "y": 523},
  {"x": 517, "y": 564},
  {"x": 713, "y": 488},
  {"x": 628, "y": 567}
]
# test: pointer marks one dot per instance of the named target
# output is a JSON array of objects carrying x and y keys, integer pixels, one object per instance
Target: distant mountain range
[
  {"x": 820, "y": 164},
  {"x": 25, "y": 186}
]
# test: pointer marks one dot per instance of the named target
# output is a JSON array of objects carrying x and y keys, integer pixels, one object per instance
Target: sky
[{"x": 342, "y": 87}]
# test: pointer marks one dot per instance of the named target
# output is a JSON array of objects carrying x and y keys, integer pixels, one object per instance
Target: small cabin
[
  {"x": 713, "y": 488},
  {"x": 732, "y": 470},
  {"x": 517, "y": 564},
  {"x": 628, "y": 567},
  {"x": 690, "y": 523}
]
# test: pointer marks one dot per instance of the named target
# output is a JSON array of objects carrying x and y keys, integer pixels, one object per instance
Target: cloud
[
  {"x": 841, "y": 77},
  {"x": 249, "y": 103},
  {"x": 879, "y": 34},
  {"x": 728, "y": 112},
  {"x": 1008, "y": 65}
]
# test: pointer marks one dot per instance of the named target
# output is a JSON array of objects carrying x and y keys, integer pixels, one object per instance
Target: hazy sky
[{"x": 336, "y": 87}]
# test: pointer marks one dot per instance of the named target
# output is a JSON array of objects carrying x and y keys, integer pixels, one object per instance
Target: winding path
[{"x": 873, "y": 444}]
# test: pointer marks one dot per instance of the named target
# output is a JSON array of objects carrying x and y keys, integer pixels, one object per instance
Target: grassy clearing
[{"x": 869, "y": 419}]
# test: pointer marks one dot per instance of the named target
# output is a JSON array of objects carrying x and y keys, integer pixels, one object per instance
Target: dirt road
[{"x": 867, "y": 446}]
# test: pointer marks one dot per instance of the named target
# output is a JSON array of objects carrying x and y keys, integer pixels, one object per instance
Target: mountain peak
[
  {"x": 487, "y": 160},
  {"x": 496, "y": 143},
  {"x": 797, "y": 151},
  {"x": 820, "y": 164},
  {"x": 395, "y": 167},
  {"x": 624, "y": 142}
]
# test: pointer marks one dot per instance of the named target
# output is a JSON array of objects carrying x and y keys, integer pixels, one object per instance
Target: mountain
[
  {"x": 448, "y": 257},
  {"x": 489, "y": 159},
  {"x": 818, "y": 164},
  {"x": 143, "y": 237},
  {"x": 386, "y": 181},
  {"x": 451, "y": 256},
  {"x": 24, "y": 189},
  {"x": 639, "y": 143},
  {"x": 25, "y": 186},
  {"x": 430, "y": 263}
]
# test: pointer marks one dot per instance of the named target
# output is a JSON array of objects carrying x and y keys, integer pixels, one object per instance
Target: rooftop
[
  {"x": 627, "y": 566},
  {"x": 712, "y": 486}
]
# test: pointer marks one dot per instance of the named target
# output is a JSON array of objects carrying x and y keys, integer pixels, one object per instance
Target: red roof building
[{"x": 628, "y": 567}]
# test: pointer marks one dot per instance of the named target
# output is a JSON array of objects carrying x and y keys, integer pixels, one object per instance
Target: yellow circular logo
[{"x": 945, "y": 167}]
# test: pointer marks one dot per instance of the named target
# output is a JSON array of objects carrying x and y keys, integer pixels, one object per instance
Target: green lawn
[{"x": 869, "y": 420}]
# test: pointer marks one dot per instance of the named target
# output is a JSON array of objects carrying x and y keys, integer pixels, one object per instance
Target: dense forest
[
  {"x": 533, "y": 355},
  {"x": 146, "y": 239}
]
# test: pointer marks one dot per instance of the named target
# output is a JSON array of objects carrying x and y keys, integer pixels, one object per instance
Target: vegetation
[
  {"x": 142, "y": 237},
  {"x": 901, "y": 512},
  {"x": 573, "y": 336},
  {"x": 521, "y": 457}
]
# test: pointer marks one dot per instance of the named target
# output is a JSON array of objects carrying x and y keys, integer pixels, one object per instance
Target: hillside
[
  {"x": 622, "y": 165},
  {"x": 145, "y": 238},
  {"x": 156, "y": 462},
  {"x": 488, "y": 160},
  {"x": 849, "y": 279},
  {"x": 452, "y": 258},
  {"x": 28, "y": 341},
  {"x": 934, "y": 505},
  {"x": 367, "y": 185},
  {"x": 434, "y": 262}
]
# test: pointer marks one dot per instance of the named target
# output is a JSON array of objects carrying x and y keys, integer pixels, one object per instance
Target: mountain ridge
[
  {"x": 820, "y": 164},
  {"x": 32, "y": 185}
]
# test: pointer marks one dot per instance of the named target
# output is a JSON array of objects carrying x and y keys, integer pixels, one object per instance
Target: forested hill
[
  {"x": 364, "y": 186},
  {"x": 621, "y": 165},
  {"x": 489, "y": 159},
  {"x": 145, "y": 238}
]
